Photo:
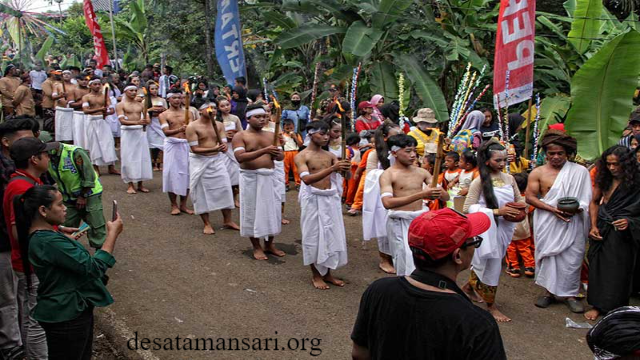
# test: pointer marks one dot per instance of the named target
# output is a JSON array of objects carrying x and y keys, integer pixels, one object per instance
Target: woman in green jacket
[{"x": 71, "y": 279}]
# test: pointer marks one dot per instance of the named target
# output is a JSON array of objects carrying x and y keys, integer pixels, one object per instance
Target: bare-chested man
[
  {"x": 259, "y": 203},
  {"x": 64, "y": 113},
  {"x": 78, "y": 92},
  {"x": 402, "y": 190},
  {"x": 175, "y": 169},
  {"x": 208, "y": 176},
  {"x": 136, "y": 160},
  {"x": 560, "y": 235},
  {"x": 99, "y": 138},
  {"x": 75, "y": 102},
  {"x": 67, "y": 90},
  {"x": 324, "y": 241}
]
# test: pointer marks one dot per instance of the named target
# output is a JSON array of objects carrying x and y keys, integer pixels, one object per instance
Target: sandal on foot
[
  {"x": 543, "y": 302},
  {"x": 529, "y": 271},
  {"x": 513, "y": 272},
  {"x": 575, "y": 306}
]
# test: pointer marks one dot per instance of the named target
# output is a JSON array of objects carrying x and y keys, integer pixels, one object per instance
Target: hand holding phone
[{"x": 114, "y": 213}]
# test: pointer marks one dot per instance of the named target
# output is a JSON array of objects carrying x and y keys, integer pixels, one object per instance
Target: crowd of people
[{"x": 435, "y": 205}]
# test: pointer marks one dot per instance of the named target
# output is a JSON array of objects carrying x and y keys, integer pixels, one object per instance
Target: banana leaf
[
  {"x": 305, "y": 34},
  {"x": 427, "y": 89},
  {"x": 44, "y": 49},
  {"x": 586, "y": 24},
  {"x": 279, "y": 19},
  {"x": 360, "y": 39},
  {"x": 602, "y": 92},
  {"x": 390, "y": 11},
  {"x": 383, "y": 80}
]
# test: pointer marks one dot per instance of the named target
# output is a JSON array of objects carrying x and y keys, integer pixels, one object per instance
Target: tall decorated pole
[
  {"x": 314, "y": 89},
  {"x": 536, "y": 133}
]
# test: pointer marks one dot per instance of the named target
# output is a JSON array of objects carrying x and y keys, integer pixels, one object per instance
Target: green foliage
[
  {"x": 586, "y": 23},
  {"x": 602, "y": 92}
]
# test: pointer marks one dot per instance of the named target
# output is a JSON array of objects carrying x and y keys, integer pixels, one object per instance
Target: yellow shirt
[
  {"x": 516, "y": 169},
  {"x": 430, "y": 142}
]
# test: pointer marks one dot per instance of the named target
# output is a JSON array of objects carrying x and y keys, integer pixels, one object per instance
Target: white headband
[
  {"x": 66, "y": 72},
  {"x": 170, "y": 95},
  {"x": 395, "y": 148},
  {"x": 130, "y": 87},
  {"x": 205, "y": 105},
  {"x": 313, "y": 131},
  {"x": 94, "y": 80},
  {"x": 258, "y": 111}
]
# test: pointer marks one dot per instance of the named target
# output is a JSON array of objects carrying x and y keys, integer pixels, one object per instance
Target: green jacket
[{"x": 71, "y": 168}]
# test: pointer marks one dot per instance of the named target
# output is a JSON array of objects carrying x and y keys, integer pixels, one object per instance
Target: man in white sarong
[
  {"x": 560, "y": 236},
  {"x": 155, "y": 135},
  {"x": 175, "y": 167},
  {"x": 99, "y": 138},
  {"x": 278, "y": 167},
  {"x": 324, "y": 243},
  {"x": 79, "y": 118},
  {"x": 136, "y": 160},
  {"x": 210, "y": 185},
  {"x": 402, "y": 188},
  {"x": 259, "y": 201}
]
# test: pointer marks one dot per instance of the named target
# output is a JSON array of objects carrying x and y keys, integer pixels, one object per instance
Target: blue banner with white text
[{"x": 228, "y": 40}]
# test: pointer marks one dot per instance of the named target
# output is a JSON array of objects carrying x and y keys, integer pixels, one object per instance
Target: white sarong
[
  {"x": 487, "y": 259},
  {"x": 209, "y": 183},
  {"x": 281, "y": 186},
  {"x": 260, "y": 207},
  {"x": 324, "y": 243},
  {"x": 398, "y": 234},
  {"x": 134, "y": 151},
  {"x": 112, "y": 119},
  {"x": 100, "y": 141},
  {"x": 374, "y": 214},
  {"x": 175, "y": 166},
  {"x": 64, "y": 124},
  {"x": 233, "y": 167},
  {"x": 560, "y": 245},
  {"x": 80, "y": 129},
  {"x": 155, "y": 136}
]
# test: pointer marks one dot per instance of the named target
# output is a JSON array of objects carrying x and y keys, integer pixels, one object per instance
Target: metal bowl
[{"x": 569, "y": 204}]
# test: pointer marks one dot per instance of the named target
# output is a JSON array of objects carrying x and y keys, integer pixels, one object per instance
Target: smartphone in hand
[{"x": 114, "y": 214}]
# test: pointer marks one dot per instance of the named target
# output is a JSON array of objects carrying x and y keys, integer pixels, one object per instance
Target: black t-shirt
[
  {"x": 490, "y": 131},
  {"x": 398, "y": 321}
]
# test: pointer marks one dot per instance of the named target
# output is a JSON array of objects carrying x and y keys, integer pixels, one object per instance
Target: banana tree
[{"x": 135, "y": 28}]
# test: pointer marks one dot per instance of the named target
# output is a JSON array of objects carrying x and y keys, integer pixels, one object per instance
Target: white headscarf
[{"x": 474, "y": 120}]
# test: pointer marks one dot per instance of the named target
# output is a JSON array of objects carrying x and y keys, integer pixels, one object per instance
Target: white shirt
[{"x": 37, "y": 78}]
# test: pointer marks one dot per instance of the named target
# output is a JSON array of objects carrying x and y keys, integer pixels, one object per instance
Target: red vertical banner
[
  {"x": 515, "y": 43},
  {"x": 99, "y": 47}
]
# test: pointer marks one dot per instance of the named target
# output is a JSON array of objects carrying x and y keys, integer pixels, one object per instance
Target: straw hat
[{"x": 425, "y": 115}]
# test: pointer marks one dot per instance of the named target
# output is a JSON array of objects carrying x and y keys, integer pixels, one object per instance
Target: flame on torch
[
  {"x": 106, "y": 88},
  {"x": 187, "y": 90},
  {"x": 275, "y": 102}
]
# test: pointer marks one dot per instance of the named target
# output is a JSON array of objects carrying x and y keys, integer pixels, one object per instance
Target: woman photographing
[{"x": 71, "y": 280}]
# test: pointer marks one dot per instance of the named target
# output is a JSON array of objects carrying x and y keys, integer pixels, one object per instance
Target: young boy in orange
[
  {"x": 292, "y": 143},
  {"x": 449, "y": 178},
  {"x": 360, "y": 175},
  {"x": 353, "y": 154},
  {"x": 522, "y": 243}
]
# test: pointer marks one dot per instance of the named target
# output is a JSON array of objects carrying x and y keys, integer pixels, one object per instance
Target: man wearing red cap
[
  {"x": 366, "y": 120},
  {"x": 443, "y": 324},
  {"x": 402, "y": 193}
]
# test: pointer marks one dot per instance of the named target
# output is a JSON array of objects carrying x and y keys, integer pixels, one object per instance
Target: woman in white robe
[{"x": 489, "y": 194}]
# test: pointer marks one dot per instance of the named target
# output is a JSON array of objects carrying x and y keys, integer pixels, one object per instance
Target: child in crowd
[
  {"x": 354, "y": 155},
  {"x": 449, "y": 178},
  {"x": 292, "y": 143},
  {"x": 469, "y": 171},
  {"x": 522, "y": 243}
]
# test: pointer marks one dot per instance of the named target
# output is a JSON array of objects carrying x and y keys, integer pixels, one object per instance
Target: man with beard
[
  {"x": 615, "y": 231},
  {"x": 559, "y": 235}
]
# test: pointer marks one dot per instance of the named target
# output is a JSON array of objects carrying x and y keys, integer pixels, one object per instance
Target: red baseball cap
[
  {"x": 438, "y": 233},
  {"x": 364, "y": 104}
]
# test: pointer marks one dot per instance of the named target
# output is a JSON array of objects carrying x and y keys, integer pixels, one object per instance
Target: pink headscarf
[{"x": 374, "y": 101}]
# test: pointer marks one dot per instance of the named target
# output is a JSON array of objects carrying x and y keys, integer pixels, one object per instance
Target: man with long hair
[{"x": 614, "y": 238}]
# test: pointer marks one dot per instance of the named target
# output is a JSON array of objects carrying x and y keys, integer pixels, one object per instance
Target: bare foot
[
  {"x": 114, "y": 172},
  {"x": 143, "y": 189},
  {"x": 237, "y": 204},
  {"x": 186, "y": 211},
  {"x": 271, "y": 249},
  {"x": 258, "y": 254},
  {"x": 386, "y": 267},
  {"x": 208, "y": 230},
  {"x": 156, "y": 169},
  {"x": 471, "y": 293},
  {"x": 175, "y": 211},
  {"x": 319, "y": 283},
  {"x": 231, "y": 226},
  {"x": 329, "y": 278},
  {"x": 131, "y": 190},
  {"x": 285, "y": 221},
  {"x": 500, "y": 317},
  {"x": 592, "y": 314}
]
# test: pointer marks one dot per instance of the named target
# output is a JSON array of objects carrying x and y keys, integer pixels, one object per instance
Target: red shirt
[
  {"x": 16, "y": 187},
  {"x": 366, "y": 125}
]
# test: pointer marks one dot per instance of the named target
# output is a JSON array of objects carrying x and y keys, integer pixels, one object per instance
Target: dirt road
[{"x": 171, "y": 280}]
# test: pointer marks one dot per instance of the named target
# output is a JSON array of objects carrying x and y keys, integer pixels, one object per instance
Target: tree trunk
[{"x": 208, "y": 15}]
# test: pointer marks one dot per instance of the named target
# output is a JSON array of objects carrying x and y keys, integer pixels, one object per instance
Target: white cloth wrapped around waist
[
  {"x": 155, "y": 135},
  {"x": 374, "y": 214},
  {"x": 134, "y": 151},
  {"x": 324, "y": 242},
  {"x": 398, "y": 223},
  {"x": 175, "y": 166},
  {"x": 233, "y": 167},
  {"x": 64, "y": 124},
  {"x": 100, "y": 141},
  {"x": 259, "y": 203},
  {"x": 209, "y": 183},
  {"x": 278, "y": 167},
  {"x": 79, "y": 129}
]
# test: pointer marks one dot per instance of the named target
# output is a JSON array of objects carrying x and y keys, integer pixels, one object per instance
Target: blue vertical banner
[{"x": 228, "y": 40}]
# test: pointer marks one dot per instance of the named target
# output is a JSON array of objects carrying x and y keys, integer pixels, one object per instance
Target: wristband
[
  {"x": 164, "y": 126},
  {"x": 387, "y": 194},
  {"x": 85, "y": 104},
  {"x": 496, "y": 212},
  {"x": 303, "y": 174},
  {"x": 238, "y": 149},
  {"x": 193, "y": 143}
]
